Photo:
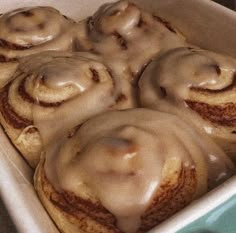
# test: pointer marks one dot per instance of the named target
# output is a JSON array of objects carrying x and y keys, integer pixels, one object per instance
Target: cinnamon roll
[
  {"x": 127, "y": 171},
  {"x": 126, "y": 33},
  {"x": 55, "y": 91},
  {"x": 31, "y": 30},
  {"x": 199, "y": 86}
]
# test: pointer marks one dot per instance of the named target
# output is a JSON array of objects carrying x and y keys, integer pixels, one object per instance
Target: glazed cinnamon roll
[
  {"x": 199, "y": 86},
  {"x": 55, "y": 91},
  {"x": 31, "y": 30},
  {"x": 124, "y": 32},
  {"x": 127, "y": 171}
]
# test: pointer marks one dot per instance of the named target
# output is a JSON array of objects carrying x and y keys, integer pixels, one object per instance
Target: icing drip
[
  {"x": 31, "y": 30},
  {"x": 131, "y": 36},
  {"x": 184, "y": 80},
  {"x": 61, "y": 90},
  {"x": 120, "y": 158}
]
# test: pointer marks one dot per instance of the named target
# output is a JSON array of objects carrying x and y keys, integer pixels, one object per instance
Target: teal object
[{"x": 220, "y": 220}]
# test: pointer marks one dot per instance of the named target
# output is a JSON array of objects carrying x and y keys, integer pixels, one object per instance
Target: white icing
[
  {"x": 181, "y": 69},
  {"x": 114, "y": 32},
  {"x": 120, "y": 157},
  {"x": 80, "y": 83},
  {"x": 40, "y": 28}
]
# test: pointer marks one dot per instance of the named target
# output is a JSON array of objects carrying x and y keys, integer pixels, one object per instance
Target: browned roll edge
[
  {"x": 9, "y": 115},
  {"x": 23, "y": 93},
  {"x": 165, "y": 23},
  {"x": 14, "y": 125},
  {"x": 223, "y": 115},
  {"x": 171, "y": 198},
  {"x": 120, "y": 40},
  {"x": 12, "y": 46},
  {"x": 4, "y": 59},
  {"x": 75, "y": 208}
]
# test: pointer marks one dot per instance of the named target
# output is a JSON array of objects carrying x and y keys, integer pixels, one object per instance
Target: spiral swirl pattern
[
  {"x": 56, "y": 91},
  {"x": 124, "y": 32},
  {"x": 126, "y": 171},
  {"x": 27, "y": 31},
  {"x": 198, "y": 85}
]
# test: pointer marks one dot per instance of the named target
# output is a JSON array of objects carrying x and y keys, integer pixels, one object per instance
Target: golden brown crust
[
  {"x": 13, "y": 37},
  {"x": 27, "y": 97},
  {"x": 88, "y": 216},
  {"x": 12, "y": 46},
  {"x": 223, "y": 115},
  {"x": 165, "y": 23},
  {"x": 4, "y": 59},
  {"x": 174, "y": 194},
  {"x": 28, "y": 31},
  {"x": 27, "y": 141},
  {"x": 107, "y": 169},
  {"x": 8, "y": 113},
  {"x": 111, "y": 26},
  {"x": 199, "y": 86}
]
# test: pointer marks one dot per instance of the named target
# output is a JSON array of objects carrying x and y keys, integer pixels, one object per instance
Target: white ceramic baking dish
[{"x": 204, "y": 23}]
